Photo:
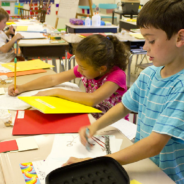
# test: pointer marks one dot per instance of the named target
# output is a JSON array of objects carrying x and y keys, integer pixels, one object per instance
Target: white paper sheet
[
  {"x": 2, "y": 91},
  {"x": 68, "y": 9},
  {"x": 26, "y": 143},
  {"x": 126, "y": 127},
  {"x": 3, "y": 69},
  {"x": 69, "y": 145},
  {"x": 13, "y": 103},
  {"x": 35, "y": 42},
  {"x": 28, "y": 35}
]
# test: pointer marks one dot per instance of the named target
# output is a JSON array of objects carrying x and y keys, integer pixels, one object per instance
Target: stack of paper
[
  {"x": 27, "y": 65},
  {"x": 28, "y": 35}
]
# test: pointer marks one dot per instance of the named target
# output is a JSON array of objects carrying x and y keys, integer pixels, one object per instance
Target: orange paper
[{"x": 27, "y": 72}]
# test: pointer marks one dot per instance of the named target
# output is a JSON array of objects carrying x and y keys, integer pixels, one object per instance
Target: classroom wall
[{"x": 51, "y": 19}]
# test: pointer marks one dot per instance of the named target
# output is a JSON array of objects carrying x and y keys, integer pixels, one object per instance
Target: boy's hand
[
  {"x": 73, "y": 160},
  {"x": 18, "y": 36},
  {"x": 13, "y": 92},
  {"x": 10, "y": 30},
  {"x": 82, "y": 133}
]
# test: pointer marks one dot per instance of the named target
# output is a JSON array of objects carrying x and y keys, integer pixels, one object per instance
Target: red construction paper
[
  {"x": 35, "y": 122},
  {"x": 8, "y": 146}
]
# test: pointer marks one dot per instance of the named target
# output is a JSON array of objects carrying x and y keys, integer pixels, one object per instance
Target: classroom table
[
  {"x": 144, "y": 171},
  {"x": 124, "y": 24},
  {"x": 70, "y": 28},
  {"x": 45, "y": 50}
]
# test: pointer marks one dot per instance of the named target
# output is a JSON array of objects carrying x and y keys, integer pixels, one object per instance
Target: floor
[{"x": 134, "y": 76}]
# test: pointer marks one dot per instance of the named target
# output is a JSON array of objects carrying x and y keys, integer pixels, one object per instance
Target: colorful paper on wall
[
  {"x": 8, "y": 11},
  {"x": 18, "y": 5},
  {"x": 5, "y": 4},
  {"x": 35, "y": 122}
]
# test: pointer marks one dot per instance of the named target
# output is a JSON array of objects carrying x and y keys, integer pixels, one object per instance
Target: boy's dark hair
[
  {"x": 162, "y": 14},
  {"x": 3, "y": 14},
  {"x": 99, "y": 50}
]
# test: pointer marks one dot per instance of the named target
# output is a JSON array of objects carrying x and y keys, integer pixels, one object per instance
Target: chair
[
  {"x": 40, "y": 12},
  {"x": 129, "y": 7},
  {"x": 109, "y": 8}
]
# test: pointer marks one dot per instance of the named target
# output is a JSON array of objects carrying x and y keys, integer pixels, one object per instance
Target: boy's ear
[{"x": 180, "y": 38}]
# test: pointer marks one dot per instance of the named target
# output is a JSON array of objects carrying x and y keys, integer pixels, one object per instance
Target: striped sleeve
[{"x": 171, "y": 120}]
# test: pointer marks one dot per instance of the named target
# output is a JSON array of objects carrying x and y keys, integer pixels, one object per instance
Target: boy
[
  {"x": 6, "y": 47},
  {"x": 157, "y": 95}
]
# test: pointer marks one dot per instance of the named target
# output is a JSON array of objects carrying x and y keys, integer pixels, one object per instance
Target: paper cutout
[
  {"x": 29, "y": 173},
  {"x": 55, "y": 105},
  {"x": 35, "y": 122},
  {"x": 27, "y": 65},
  {"x": 26, "y": 143},
  {"x": 28, "y": 72},
  {"x": 8, "y": 146}
]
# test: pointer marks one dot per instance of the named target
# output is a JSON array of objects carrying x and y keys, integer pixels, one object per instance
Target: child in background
[
  {"x": 101, "y": 64},
  {"x": 157, "y": 95},
  {"x": 7, "y": 53}
]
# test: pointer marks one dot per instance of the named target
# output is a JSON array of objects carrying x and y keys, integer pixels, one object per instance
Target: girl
[{"x": 101, "y": 63}]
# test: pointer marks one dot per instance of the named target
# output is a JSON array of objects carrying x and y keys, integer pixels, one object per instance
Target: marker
[
  {"x": 15, "y": 70},
  {"x": 88, "y": 144}
]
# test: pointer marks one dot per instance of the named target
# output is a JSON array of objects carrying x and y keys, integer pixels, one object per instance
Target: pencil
[{"x": 15, "y": 70}]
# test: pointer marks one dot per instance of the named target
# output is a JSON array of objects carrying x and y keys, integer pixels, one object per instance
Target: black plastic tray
[{"x": 101, "y": 170}]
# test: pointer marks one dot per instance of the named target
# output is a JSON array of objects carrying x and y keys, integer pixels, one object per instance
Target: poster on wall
[{"x": 67, "y": 9}]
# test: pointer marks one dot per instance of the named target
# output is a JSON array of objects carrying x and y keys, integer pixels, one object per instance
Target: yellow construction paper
[
  {"x": 21, "y": 28},
  {"x": 137, "y": 35},
  {"x": 131, "y": 20},
  {"x": 10, "y": 23},
  {"x": 134, "y": 182},
  {"x": 54, "y": 105},
  {"x": 27, "y": 65}
]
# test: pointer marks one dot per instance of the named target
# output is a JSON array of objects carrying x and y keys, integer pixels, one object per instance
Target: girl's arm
[
  {"x": 90, "y": 99},
  {"x": 43, "y": 82}
]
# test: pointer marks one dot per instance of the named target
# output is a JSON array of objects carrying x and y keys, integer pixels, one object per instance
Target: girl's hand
[
  {"x": 13, "y": 92},
  {"x": 46, "y": 93},
  {"x": 83, "y": 136},
  {"x": 73, "y": 160}
]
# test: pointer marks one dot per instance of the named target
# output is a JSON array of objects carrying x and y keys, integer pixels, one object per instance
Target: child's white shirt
[{"x": 5, "y": 57}]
